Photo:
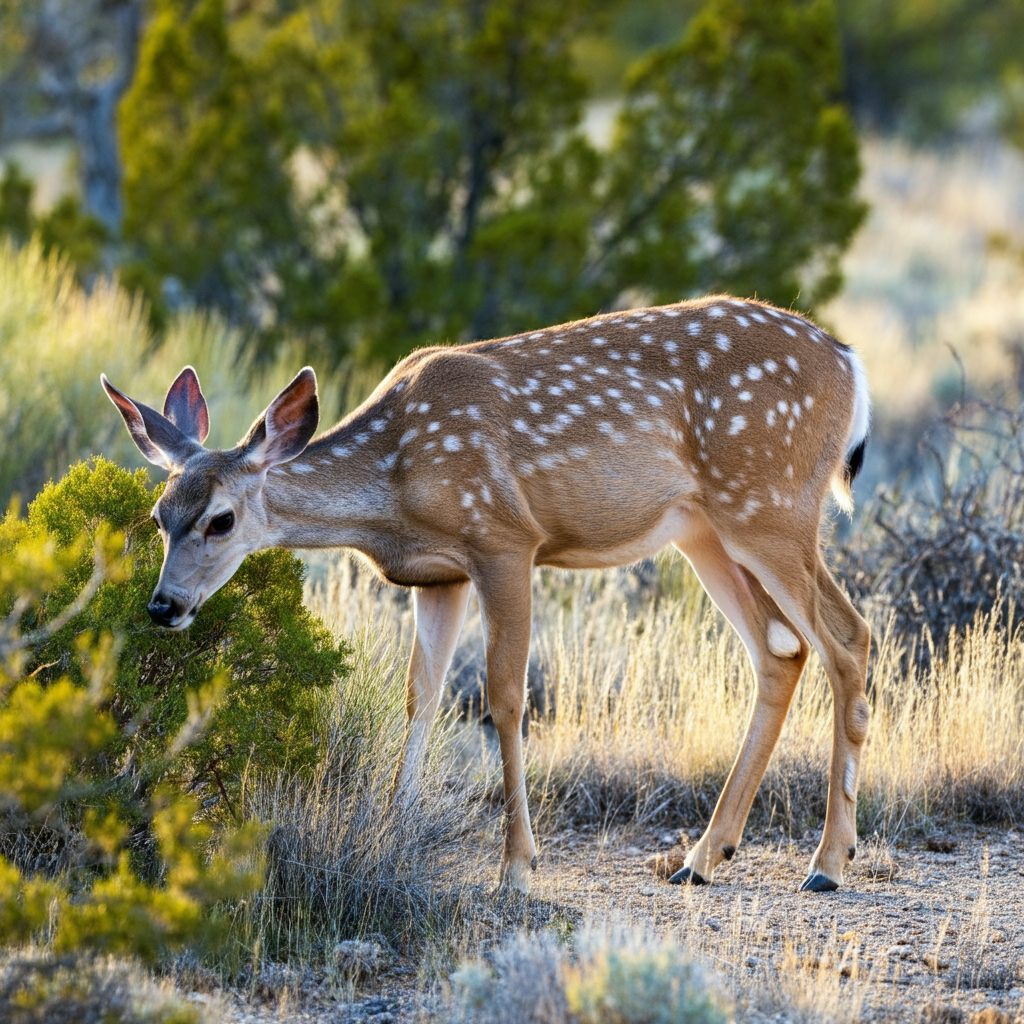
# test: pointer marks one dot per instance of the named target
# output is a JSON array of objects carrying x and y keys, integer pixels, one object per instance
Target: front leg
[
  {"x": 505, "y": 601},
  {"x": 440, "y": 613}
]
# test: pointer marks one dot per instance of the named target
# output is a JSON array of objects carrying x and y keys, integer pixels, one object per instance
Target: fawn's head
[{"x": 211, "y": 514}]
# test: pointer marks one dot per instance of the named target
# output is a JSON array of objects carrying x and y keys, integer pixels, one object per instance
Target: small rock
[
  {"x": 991, "y": 1015},
  {"x": 633, "y": 851},
  {"x": 935, "y": 962},
  {"x": 753, "y": 961},
  {"x": 359, "y": 959},
  {"x": 646, "y": 892},
  {"x": 713, "y": 924},
  {"x": 940, "y": 1013},
  {"x": 669, "y": 838},
  {"x": 940, "y": 844}
]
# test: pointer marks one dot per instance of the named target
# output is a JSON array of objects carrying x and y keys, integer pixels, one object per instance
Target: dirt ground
[{"x": 930, "y": 933}]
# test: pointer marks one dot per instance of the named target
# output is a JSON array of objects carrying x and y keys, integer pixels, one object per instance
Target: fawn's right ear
[{"x": 159, "y": 440}]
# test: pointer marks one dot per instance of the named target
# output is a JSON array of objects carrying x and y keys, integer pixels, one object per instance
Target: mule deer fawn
[{"x": 715, "y": 425}]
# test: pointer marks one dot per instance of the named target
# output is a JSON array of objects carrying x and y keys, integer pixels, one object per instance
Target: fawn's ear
[
  {"x": 284, "y": 430},
  {"x": 159, "y": 440},
  {"x": 185, "y": 406}
]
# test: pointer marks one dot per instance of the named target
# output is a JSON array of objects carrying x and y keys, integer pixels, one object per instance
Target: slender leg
[
  {"x": 804, "y": 589},
  {"x": 440, "y": 613},
  {"x": 506, "y": 605},
  {"x": 778, "y": 655},
  {"x": 847, "y": 672}
]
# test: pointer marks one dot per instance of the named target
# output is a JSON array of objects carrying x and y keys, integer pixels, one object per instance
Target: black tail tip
[{"x": 854, "y": 461}]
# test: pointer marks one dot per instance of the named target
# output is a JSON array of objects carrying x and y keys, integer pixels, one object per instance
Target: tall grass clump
[
  {"x": 56, "y": 339},
  {"x": 350, "y": 857}
]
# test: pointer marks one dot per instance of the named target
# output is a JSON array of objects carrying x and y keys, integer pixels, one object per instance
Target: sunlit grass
[{"x": 647, "y": 704}]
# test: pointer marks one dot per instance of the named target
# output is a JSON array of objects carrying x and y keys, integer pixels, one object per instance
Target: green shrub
[
  {"x": 53, "y": 734},
  {"x": 270, "y": 658}
]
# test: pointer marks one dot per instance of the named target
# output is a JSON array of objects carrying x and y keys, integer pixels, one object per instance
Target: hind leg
[
  {"x": 777, "y": 654},
  {"x": 797, "y": 579}
]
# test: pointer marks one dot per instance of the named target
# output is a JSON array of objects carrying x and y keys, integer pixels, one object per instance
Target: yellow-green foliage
[
  {"x": 49, "y": 733},
  {"x": 36, "y": 988}
]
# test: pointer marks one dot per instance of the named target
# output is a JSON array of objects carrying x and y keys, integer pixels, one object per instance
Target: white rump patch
[{"x": 782, "y": 641}]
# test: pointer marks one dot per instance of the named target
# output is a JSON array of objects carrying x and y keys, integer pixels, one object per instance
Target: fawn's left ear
[
  {"x": 159, "y": 440},
  {"x": 287, "y": 425},
  {"x": 185, "y": 406}
]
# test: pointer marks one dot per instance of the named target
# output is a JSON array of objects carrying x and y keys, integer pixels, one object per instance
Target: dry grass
[
  {"x": 56, "y": 339},
  {"x": 344, "y": 858},
  {"x": 647, "y": 706}
]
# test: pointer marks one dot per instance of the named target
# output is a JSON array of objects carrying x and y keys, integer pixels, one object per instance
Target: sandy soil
[{"x": 929, "y": 933}]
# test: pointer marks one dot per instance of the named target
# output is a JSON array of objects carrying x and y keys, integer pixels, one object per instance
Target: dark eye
[{"x": 221, "y": 523}]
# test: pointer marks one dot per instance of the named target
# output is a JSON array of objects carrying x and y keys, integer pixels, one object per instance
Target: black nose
[{"x": 161, "y": 611}]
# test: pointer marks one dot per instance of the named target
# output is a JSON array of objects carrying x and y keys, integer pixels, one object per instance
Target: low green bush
[
  {"x": 252, "y": 667},
  {"x": 54, "y": 732}
]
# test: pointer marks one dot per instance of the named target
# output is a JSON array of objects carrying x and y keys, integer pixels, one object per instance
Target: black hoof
[
  {"x": 687, "y": 876},
  {"x": 817, "y": 882}
]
